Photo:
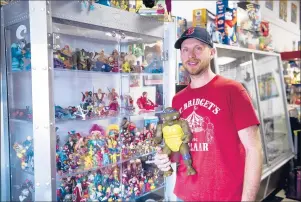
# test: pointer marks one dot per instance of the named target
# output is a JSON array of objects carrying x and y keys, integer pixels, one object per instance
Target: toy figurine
[
  {"x": 126, "y": 67},
  {"x": 25, "y": 153},
  {"x": 176, "y": 134},
  {"x": 100, "y": 97},
  {"x": 87, "y": 4},
  {"x": 105, "y": 157},
  {"x": 113, "y": 105},
  {"x": 265, "y": 39},
  {"x": 115, "y": 3},
  {"x": 86, "y": 98},
  {"x": 103, "y": 2},
  {"x": 77, "y": 194},
  {"x": 114, "y": 157},
  {"x": 26, "y": 190},
  {"x": 144, "y": 103},
  {"x": 19, "y": 52}
]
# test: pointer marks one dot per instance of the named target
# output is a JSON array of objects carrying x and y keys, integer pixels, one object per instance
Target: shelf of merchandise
[
  {"x": 83, "y": 171},
  {"x": 46, "y": 86}
]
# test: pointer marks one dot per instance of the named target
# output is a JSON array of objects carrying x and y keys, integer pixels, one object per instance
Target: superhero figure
[{"x": 230, "y": 21}]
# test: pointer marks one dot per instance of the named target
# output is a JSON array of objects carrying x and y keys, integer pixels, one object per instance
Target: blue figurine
[
  {"x": 102, "y": 67},
  {"x": 106, "y": 159},
  {"x": 17, "y": 57},
  {"x": 87, "y": 4},
  {"x": 103, "y": 2},
  {"x": 155, "y": 66},
  {"x": 19, "y": 51}
]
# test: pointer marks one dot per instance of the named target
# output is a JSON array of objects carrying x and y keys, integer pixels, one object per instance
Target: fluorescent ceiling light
[{"x": 225, "y": 60}]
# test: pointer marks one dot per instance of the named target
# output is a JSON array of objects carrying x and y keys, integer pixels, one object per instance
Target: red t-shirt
[{"x": 215, "y": 113}]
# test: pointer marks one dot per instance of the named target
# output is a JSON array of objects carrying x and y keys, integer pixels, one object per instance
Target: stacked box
[
  {"x": 226, "y": 21},
  {"x": 204, "y": 18},
  {"x": 248, "y": 24},
  {"x": 181, "y": 24}
]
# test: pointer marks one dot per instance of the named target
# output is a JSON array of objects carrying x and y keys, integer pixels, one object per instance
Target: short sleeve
[
  {"x": 173, "y": 102},
  {"x": 243, "y": 112}
]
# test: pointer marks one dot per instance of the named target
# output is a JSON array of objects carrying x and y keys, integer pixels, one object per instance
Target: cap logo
[{"x": 190, "y": 31}]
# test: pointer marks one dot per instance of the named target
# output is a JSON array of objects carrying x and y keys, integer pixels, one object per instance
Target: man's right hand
[{"x": 162, "y": 161}]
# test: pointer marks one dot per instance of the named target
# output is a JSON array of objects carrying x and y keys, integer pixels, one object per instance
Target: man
[{"x": 225, "y": 149}]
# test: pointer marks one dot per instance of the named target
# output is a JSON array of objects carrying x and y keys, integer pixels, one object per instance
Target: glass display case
[
  {"x": 261, "y": 75},
  {"x": 83, "y": 96},
  {"x": 237, "y": 65}
]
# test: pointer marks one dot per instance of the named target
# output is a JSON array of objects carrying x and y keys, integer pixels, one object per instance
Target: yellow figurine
[
  {"x": 151, "y": 182},
  {"x": 89, "y": 159},
  {"x": 114, "y": 157},
  {"x": 126, "y": 67},
  {"x": 88, "y": 162}
]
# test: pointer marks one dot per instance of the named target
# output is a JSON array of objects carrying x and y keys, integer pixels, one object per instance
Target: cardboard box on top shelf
[
  {"x": 204, "y": 18},
  {"x": 226, "y": 21},
  {"x": 248, "y": 25},
  {"x": 181, "y": 24}
]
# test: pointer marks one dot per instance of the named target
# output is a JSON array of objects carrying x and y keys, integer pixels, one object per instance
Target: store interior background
[
  {"x": 284, "y": 33},
  {"x": 285, "y": 36}
]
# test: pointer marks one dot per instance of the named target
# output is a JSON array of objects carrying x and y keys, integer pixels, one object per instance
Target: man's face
[{"x": 195, "y": 56}]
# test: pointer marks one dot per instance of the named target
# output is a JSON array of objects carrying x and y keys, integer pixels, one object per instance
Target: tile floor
[{"x": 280, "y": 196}]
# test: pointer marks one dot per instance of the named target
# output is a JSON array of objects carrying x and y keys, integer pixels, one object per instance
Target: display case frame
[
  {"x": 4, "y": 190},
  {"x": 271, "y": 169},
  {"x": 40, "y": 15}
]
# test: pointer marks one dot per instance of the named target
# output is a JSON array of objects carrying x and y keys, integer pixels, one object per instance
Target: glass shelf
[
  {"x": 61, "y": 121},
  {"x": 81, "y": 73},
  {"x": 21, "y": 121},
  {"x": 83, "y": 171},
  {"x": 152, "y": 191},
  {"x": 25, "y": 171}
]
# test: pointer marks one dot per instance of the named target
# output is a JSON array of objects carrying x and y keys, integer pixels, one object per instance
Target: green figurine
[{"x": 176, "y": 134}]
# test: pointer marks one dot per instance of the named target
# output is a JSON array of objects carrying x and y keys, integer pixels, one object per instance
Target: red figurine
[
  {"x": 144, "y": 103},
  {"x": 113, "y": 105},
  {"x": 77, "y": 192}
]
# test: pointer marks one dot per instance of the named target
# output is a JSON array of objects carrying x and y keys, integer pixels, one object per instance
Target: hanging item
[
  {"x": 168, "y": 6},
  {"x": 149, "y": 3}
]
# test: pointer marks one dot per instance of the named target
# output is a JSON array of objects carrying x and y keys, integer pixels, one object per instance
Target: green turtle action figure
[{"x": 176, "y": 134}]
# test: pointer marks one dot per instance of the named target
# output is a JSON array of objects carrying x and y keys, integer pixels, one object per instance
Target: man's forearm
[{"x": 252, "y": 175}]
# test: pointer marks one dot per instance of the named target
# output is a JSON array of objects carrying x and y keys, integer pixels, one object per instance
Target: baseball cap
[{"x": 198, "y": 33}]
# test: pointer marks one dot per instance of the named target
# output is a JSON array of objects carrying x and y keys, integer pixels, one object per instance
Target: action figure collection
[
  {"x": 101, "y": 62},
  {"x": 100, "y": 153}
]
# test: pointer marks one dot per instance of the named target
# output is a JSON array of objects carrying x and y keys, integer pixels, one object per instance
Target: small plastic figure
[
  {"x": 105, "y": 157},
  {"x": 19, "y": 52},
  {"x": 113, "y": 105},
  {"x": 144, "y": 103},
  {"x": 176, "y": 134},
  {"x": 26, "y": 190},
  {"x": 78, "y": 192}
]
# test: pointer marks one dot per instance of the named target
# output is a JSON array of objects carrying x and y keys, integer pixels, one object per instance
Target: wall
[{"x": 284, "y": 33}]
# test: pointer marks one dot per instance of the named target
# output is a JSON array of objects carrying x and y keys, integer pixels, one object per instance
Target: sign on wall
[
  {"x": 283, "y": 10},
  {"x": 294, "y": 13}
]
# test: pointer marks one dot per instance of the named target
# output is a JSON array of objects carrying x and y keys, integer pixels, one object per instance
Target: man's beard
[{"x": 202, "y": 66}]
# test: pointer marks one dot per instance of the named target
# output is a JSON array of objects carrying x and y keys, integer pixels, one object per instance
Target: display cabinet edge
[
  {"x": 109, "y": 17},
  {"x": 15, "y": 12},
  {"x": 237, "y": 48}
]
